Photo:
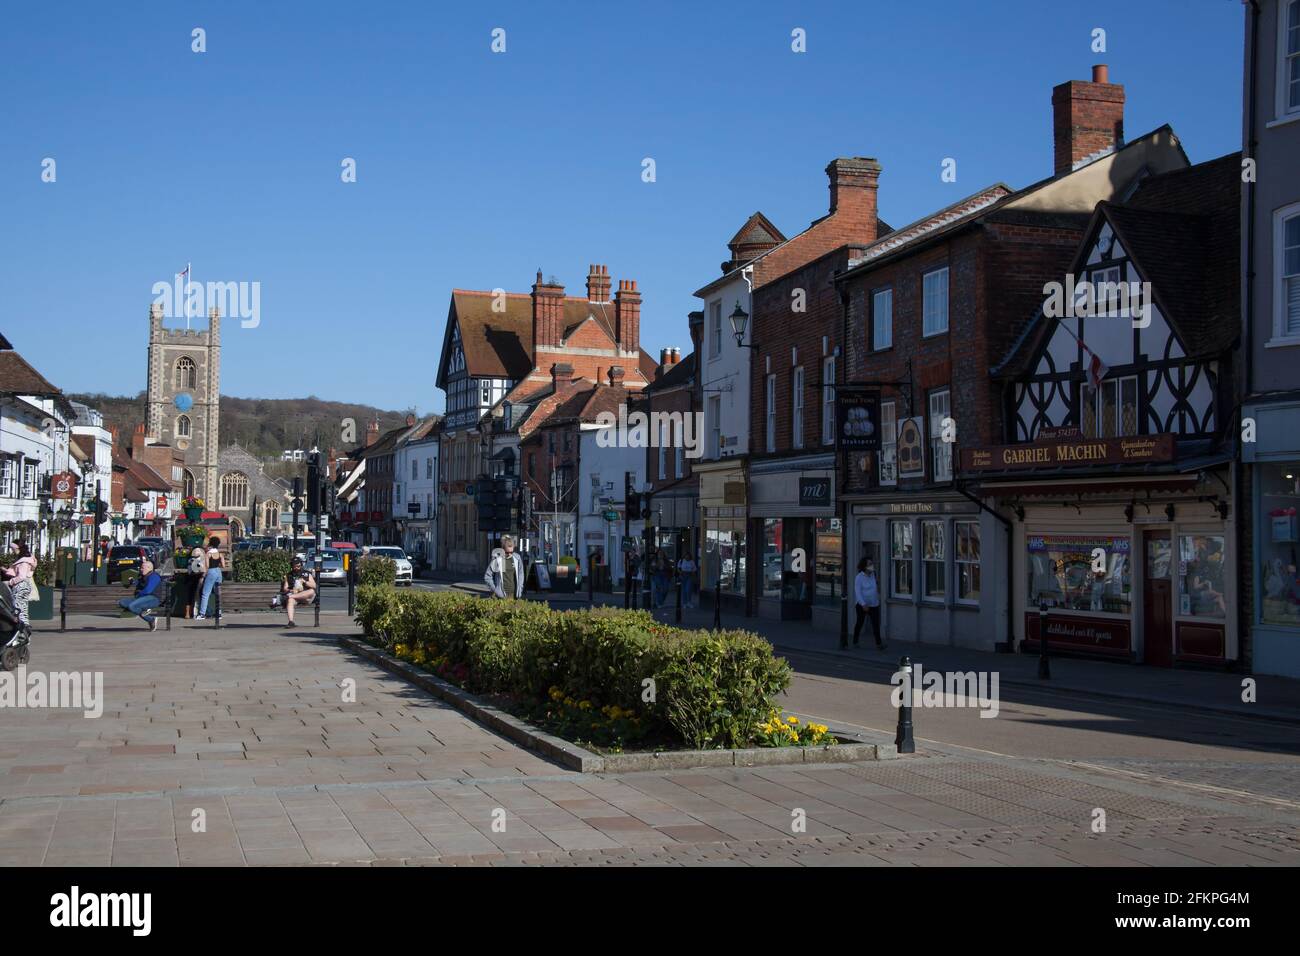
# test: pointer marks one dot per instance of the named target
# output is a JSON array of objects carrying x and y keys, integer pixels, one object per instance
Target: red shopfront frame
[{"x": 1104, "y": 636}]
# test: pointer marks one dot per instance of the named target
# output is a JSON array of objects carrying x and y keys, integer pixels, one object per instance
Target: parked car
[
  {"x": 331, "y": 567},
  {"x": 405, "y": 571},
  {"x": 126, "y": 557}
]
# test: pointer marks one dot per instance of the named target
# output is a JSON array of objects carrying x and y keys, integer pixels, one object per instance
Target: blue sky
[{"x": 475, "y": 168}]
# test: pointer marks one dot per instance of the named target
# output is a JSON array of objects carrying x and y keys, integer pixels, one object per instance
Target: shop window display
[
  {"x": 1080, "y": 573},
  {"x": 1278, "y": 580},
  {"x": 830, "y": 567},
  {"x": 900, "y": 558},
  {"x": 1201, "y": 575}
]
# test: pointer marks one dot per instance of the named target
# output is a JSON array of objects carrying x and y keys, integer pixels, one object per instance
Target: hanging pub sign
[
  {"x": 911, "y": 449},
  {"x": 63, "y": 485},
  {"x": 857, "y": 420},
  {"x": 1135, "y": 449}
]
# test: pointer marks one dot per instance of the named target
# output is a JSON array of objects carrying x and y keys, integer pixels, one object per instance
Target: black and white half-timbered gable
[
  {"x": 1116, "y": 469},
  {"x": 1137, "y": 338}
]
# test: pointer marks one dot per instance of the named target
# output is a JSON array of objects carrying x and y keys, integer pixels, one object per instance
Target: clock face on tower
[{"x": 184, "y": 402}]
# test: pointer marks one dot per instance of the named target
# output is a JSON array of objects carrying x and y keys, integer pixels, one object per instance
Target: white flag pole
[{"x": 189, "y": 275}]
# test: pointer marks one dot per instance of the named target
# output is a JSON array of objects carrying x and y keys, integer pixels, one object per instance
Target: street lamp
[{"x": 739, "y": 322}]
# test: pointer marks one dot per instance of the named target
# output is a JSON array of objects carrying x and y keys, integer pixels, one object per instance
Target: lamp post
[{"x": 647, "y": 537}]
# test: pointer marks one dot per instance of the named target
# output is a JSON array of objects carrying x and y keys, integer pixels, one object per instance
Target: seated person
[
  {"x": 297, "y": 587},
  {"x": 148, "y": 595}
]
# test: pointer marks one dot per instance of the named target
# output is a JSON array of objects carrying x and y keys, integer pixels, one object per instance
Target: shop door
[{"x": 1158, "y": 602}]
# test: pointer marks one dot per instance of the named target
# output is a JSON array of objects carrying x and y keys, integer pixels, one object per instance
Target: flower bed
[{"x": 605, "y": 677}]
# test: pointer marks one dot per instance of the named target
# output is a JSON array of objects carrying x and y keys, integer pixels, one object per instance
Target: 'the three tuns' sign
[
  {"x": 857, "y": 420},
  {"x": 1136, "y": 449}
]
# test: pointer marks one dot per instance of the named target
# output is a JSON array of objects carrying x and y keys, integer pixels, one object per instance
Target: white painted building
[
  {"x": 97, "y": 442},
  {"x": 600, "y": 489},
  {"x": 415, "y": 492}
]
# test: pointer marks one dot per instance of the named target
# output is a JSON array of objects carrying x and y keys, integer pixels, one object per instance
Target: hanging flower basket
[
  {"x": 193, "y": 507},
  {"x": 192, "y": 534}
]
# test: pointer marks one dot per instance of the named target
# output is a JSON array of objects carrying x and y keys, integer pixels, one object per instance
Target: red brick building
[{"x": 929, "y": 310}]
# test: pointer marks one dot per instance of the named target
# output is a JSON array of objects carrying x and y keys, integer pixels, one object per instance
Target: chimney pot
[{"x": 1100, "y": 73}]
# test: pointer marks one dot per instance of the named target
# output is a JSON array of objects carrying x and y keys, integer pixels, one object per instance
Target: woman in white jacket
[{"x": 866, "y": 600}]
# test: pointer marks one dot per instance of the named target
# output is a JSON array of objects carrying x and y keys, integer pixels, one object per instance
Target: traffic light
[
  {"x": 100, "y": 511},
  {"x": 633, "y": 503},
  {"x": 313, "y": 483}
]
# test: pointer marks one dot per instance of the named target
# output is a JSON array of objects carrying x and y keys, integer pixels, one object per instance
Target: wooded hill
[{"x": 264, "y": 426}]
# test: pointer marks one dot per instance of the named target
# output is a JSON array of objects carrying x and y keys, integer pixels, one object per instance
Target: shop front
[
  {"x": 1274, "y": 483},
  {"x": 723, "y": 537},
  {"x": 1120, "y": 560},
  {"x": 939, "y": 562},
  {"x": 796, "y": 541}
]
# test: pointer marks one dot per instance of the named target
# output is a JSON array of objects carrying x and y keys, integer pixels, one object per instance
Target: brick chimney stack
[
  {"x": 138, "y": 442},
  {"x": 616, "y": 376},
  {"x": 627, "y": 316},
  {"x": 1087, "y": 119},
  {"x": 372, "y": 433},
  {"x": 561, "y": 374},
  {"x": 598, "y": 283},
  {"x": 853, "y": 184},
  {"x": 548, "y": 312}
]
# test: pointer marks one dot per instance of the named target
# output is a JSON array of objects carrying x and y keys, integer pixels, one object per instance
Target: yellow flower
[{"x": 793, "y": 720}]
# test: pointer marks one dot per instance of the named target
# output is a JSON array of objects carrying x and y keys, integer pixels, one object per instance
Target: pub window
[
  {"x": 900, "y": 558},
  {"x": 966, "y": 560},
  {"x": 888, "y": 445},
  {"x": 882, "y": 319},
  {"x": 933, "y": 558}
]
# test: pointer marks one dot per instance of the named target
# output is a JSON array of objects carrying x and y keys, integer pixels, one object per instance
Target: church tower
[{"x": 183, "y": 396}]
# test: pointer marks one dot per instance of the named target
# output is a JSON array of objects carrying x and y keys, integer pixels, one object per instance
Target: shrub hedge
[
  {"x": 702, "y": 689},
  {"x": 375, "y": 569},
  {"x": 260, "y": 565}
]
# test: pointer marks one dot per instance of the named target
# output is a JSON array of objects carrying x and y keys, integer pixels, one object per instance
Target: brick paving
[{"x": 236, "y": 748}]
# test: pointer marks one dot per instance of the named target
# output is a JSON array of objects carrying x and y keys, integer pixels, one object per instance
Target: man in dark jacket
[{"x": 148, "y": 595}]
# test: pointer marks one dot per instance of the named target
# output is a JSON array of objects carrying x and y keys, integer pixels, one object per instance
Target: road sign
[
  {"x": 611, "y": 515},
  {"x": 324, "y": 522},
  {"x": 413, "y": 507}
]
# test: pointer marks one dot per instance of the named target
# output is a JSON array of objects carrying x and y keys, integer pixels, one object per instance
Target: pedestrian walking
[
  {"x": 505, "y": 571},
  {"x": 866, "y": 599},
  {"x": 148, "y": 594},
  {"x": 686, "y": 570},
  {"x": 212, "y": 576},
  {"x": 297, "y": 587},
  {"x": 196, "y": 568},
  {"x": 662, "y": 566},
  {"x": 21, "y": 576}
]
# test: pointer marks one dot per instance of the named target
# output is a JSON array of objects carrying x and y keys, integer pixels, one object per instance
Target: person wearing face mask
[{"x": 866, "y": 600}]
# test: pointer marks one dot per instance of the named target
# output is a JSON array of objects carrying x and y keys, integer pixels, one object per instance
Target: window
[
  {"x": 415, "y": 469},
  {"x": 185, "y": 374},
  {"x": 272, "y": 514},
  {"x": 882, "y": 319},
  {"x": 940, "y": 450},
  {"x": 966, "y": 560},
  {"x": 679, "y": 459},
  {"x": 183, "y": 426},
  {"x": 771, "y": 413},
  {"x": 770, "y": 559},
  {"x": 234, "y": 490},
  {"x": 1277, "y": 504},
  {"x": 715, "y": 330},
  {"x": 428, "y": 468},
  {"x": 796, "y": 420},
  {"x": 665, "y": 438},
  {"x": 1289, "y": 58},
  {"x": 828, "y": 401},
  {"x": 1110, "y": 411},
  {"x": 900, "y": 558},
  {"x": 1201, "y": 588},
  {"x": 7, "y": 478},
  {"x": 715, "y": 426},
  {"x": 888, "y": 445},
  {"x": 828, "y": 536},
  {"x": 935, "y": 302},
  {"x": 187, "y": 482},
  {"x": 1286, "y": 243},
  {"x": 1060, "y": 572},
  {"x": 1108, "y": 300},
  {"x": 29, "y": 479},
  {"x": 932, "y": 558}
]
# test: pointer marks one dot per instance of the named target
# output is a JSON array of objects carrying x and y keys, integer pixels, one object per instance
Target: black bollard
[
  {"x": 1044, "y": 668},
  {"x": 903, "y": 736}
]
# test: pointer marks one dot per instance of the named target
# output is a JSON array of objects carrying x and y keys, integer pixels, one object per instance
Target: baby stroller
[{"x": 16, "y": 637}]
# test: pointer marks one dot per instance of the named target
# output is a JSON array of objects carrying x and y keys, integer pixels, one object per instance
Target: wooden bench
[
  {"x": 251, "y": 596},
  {"x": 103, "y": 599}
]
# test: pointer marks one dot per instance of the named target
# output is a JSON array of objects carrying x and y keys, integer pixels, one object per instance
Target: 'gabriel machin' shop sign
[{"x": 1135, "y": 449}]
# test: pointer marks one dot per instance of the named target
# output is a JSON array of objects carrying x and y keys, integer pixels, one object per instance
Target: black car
[{"x": 126, "y": 557}]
